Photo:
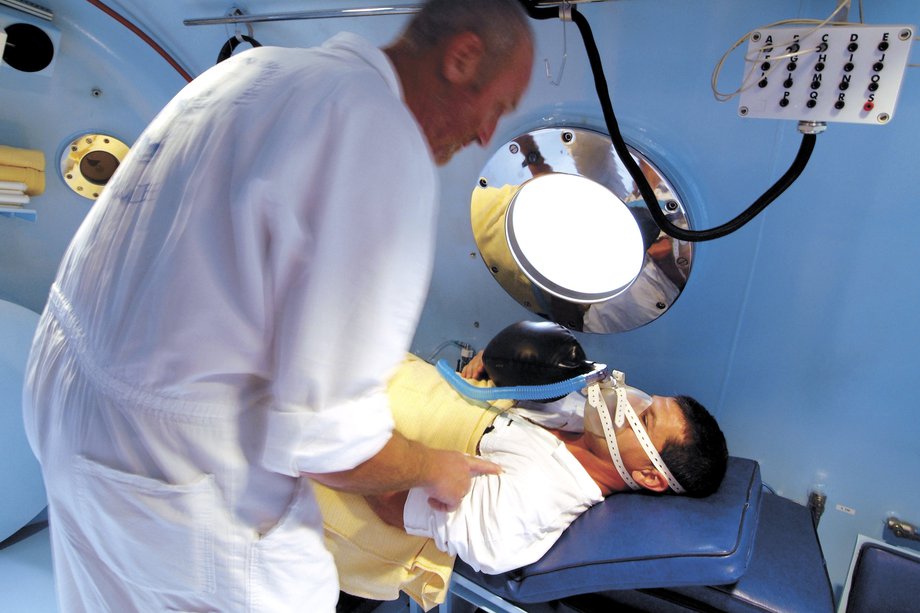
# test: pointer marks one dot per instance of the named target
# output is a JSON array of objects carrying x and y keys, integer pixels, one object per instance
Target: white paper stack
[{"x": 13, "y": 194}]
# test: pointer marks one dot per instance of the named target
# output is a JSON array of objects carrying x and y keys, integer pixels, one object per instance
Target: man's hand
[
  {"x": 475, "y": 369},
  {"x": 389, "y": 507},
  {"x": 451, "y": 477},
  {"x": 403, "y": 464}
]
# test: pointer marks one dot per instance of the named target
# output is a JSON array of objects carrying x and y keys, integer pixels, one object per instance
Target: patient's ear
[{"x": 650, "y": 479}]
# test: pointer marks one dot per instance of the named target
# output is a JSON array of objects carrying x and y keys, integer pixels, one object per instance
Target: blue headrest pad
[{"x": 633, "y": 541}]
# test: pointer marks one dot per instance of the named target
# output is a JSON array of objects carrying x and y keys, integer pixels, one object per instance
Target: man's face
[
  {"x": 471, "y": 113},
  {"x": 663, "y": 420}
]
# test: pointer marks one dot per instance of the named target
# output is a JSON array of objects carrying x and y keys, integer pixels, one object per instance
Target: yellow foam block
[
  {"x": 374, "y": 559},
  {"x": 22, "y": 158},
  {"x": 34, "y": 179}
]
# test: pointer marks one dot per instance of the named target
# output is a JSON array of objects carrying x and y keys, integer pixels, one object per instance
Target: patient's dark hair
[{"x": 699, "y": 462}]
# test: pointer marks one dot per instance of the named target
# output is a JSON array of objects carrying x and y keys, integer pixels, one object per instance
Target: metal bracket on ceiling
[
  {"x": 354, "y": 12},
  {"x": 302, "y": 15},
  {"x": 237, "y": 31}
]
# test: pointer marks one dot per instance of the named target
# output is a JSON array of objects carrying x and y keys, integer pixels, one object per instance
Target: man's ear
[
  {"x": 462, "y": 58},
  {"x": 651, "y": 479}
]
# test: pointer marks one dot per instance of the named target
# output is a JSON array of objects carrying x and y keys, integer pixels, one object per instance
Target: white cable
[
  {"x": 563, "y": 9},
  {"x": 746, "y": 83},
  {"x": 913, "y": 65}
]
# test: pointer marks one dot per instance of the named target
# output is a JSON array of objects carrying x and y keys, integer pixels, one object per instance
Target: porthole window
[
  {"x": 28, "y": 48},
  {"x": 561, "y": 226},
  {"x": 89, "y": 161}
]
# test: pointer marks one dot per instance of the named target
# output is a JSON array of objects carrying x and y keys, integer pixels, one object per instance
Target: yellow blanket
[
  {"x": 23, "y": 166},
  {"x": 374, "y": 559}
]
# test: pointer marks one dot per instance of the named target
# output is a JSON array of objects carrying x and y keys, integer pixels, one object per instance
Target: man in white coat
[{"x": 226, "y": 317}]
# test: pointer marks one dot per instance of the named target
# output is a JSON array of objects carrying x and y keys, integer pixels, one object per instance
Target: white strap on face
[
  {"x": 646, "y": 442},
  {"x": 624, "y": 411},
  {"x": 596, "y": 399}
]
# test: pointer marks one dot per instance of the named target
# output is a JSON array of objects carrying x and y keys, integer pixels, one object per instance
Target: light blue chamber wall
[
  {"x": 798, "y": 331},
  {"x": 106, "y": 79}
]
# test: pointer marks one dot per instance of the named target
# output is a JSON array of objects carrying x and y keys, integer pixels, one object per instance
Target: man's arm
[
  {"x": 403, "y": 464},
  {"x": 389, "y": 507},
  {"x": 507, "y": 520}
]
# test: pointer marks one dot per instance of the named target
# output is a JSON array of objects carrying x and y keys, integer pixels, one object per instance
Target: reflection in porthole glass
[{"x": 98, "y": 166}]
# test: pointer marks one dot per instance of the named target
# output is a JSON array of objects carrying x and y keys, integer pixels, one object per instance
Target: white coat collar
[{"x": 361, "y": 47}]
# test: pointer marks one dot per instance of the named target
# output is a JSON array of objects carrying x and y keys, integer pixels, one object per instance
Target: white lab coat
[
  {"x": 224, "y": 320},
  {"x": 510, "y": 520}
]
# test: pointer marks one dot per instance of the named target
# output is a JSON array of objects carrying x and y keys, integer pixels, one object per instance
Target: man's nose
[{"x": 486, "y": 132}]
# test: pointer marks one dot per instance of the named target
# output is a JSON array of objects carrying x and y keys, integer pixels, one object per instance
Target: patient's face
[{"x": 663, "y": 420}]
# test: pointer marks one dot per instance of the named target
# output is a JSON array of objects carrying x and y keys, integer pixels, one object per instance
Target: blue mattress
[{"x": 644, "y": 541}]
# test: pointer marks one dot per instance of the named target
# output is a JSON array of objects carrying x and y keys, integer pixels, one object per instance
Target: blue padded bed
[
  {"x": 741, "y": 550},
  {"x": 642, "y": 541}
]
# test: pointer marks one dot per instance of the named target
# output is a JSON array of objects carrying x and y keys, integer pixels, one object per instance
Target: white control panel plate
[{"x": 845, "y": 73}]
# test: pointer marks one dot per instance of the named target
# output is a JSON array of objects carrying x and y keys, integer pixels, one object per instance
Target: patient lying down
[{"x": 555, "y": 457}]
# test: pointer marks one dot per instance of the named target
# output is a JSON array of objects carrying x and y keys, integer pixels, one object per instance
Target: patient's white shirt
[{"x": 509, "y": 520}]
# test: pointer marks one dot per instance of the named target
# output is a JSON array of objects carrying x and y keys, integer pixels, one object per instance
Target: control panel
[{"x": 845, "y": 73}]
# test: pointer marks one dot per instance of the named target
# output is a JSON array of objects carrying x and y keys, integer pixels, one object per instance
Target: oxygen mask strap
[
  {"x": 623, "y": 413},
  {"x": 596, "y": 400},
  {"x": 646, "y": 442}
]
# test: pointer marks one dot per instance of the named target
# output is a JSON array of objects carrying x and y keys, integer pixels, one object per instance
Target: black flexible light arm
[{"x": 648, "y": 194}]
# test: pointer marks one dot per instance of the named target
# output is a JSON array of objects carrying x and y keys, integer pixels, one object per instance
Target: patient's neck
[{"x": 601, "y": 470}]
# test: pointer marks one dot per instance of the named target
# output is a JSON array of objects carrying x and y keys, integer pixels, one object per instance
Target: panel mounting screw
[
  {"x": 671, "y": 205},
  {"x": 483, "y": 182},
  {"x": 568, "y": 137},
  {"x": 883, "y": 117},
  {"x": 755, "y": 36},
  {"x": 905, "y": 34},
  {"x": 743, "y": 111},
  {"x": 513, "y": 148}
]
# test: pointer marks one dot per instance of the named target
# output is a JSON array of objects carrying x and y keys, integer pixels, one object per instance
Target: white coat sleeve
[{"x": 352, "y": 262}]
